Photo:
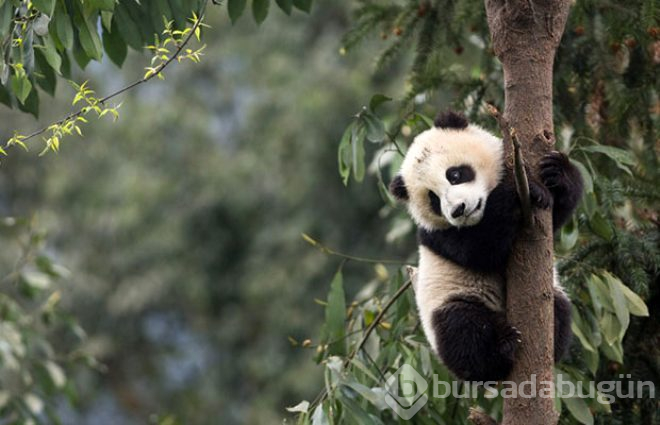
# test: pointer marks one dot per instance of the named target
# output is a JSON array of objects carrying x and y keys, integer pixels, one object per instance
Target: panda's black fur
[{"x": 460, "y": 288}]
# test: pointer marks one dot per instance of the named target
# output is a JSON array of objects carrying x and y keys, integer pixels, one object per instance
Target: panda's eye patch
[
  {"x": 435, "y": 202},
  {"x": 460, "y": 174}
]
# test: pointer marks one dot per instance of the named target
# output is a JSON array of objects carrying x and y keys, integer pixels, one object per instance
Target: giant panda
[{"x": 463, "y": 199}]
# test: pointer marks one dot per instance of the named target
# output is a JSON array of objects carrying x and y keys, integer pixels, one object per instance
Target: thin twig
[
  {"x": 377, "y": 320},
  {"x": 519, "y": 173},
  {"x": 134, "y": 84},
  {"x": 324, "y": 249},
  {"x": 324, "y": 393}
]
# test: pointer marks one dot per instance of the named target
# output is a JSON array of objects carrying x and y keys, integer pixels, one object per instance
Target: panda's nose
[{"x": 458, "y": 211}]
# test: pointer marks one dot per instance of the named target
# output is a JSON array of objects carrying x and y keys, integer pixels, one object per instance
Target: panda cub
[{"x": 464, "y": 201}]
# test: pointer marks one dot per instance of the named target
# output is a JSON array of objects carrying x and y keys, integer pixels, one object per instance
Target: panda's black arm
[
  {"x": 564, "y": 182},
  {"x": 486, "y": 246}
]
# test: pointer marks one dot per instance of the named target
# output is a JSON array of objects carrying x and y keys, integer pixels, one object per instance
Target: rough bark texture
[{"x": 525, "y": 35}]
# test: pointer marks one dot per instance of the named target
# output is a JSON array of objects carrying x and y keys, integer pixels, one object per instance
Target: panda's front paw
[
  {"x": 509, "y": 340},
  {"x": 540, "y": 196},
  {"x": 552, "y": 169}
]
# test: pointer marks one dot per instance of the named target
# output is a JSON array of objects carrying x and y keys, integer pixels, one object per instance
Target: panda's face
[{"x": 448, "y": 174}]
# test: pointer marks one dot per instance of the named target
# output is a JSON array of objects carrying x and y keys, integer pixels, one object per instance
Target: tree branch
[
  {"x": 132, "y": 85},
  {"x": 510, "y": 136}
]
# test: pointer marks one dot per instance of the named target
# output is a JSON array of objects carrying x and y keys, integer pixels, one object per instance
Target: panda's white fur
[
  {"x": 438, "y": 279},
  {"x": 438, "y": 149},
  {"x": 460, "y": 289}
]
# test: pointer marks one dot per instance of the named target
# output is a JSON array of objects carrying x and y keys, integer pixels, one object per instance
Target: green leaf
[
  {"x": 179, "y": 12},
  {"x": 377, "y": 100},
  {"x": 357, "y": 143},
  {"x": 374, "y": 397},
  {"x": 159, "y": 11},
  {"x": 108, "y": 5},
  {"x": 66, "y": 65},
  {"x": 50, "y": 53},
  {"x": 600, "y": 296},
  {"x": 235, "y": 9},
  {"x": 636, "y": 305},
  {"x": 79, "y": 55},
  {"x": 89, "y": 38},
  {"x": 304, "y": 5},
  {"x": 301, "y": 407},
  {"x": 610, "y": 328},
  {"x": 45, "y": 75},
  {"x": 601, "y": 227},
  {"x": 374, "y": 125},
  {"x": 128, "y": 29},
  {"x": 44, "y": 6},
  {"x": 355, "y": 411},
  {"x": 6, "y": 11},
  {"x": 613, "y": 352},
  {"x": 31, "y": 104},
  {"x": 619, "y": 302},
  {"x": 586, "y": 176},
  {"x": 632, "y": 303},
  {"x": 425, "y": 120},
  {"x": 285, "y": 5},
  {"x": 21, "y": 86},
  {"x": 591, "y": 358},
  {"x": 579, "y": 409},
  {"x": 63, "y": 27},
  {"x": 335, "y": 316},
  {"x": 114, "y": 45},
  {"x": 582, "y": 337},
  {"x": 344, "y": 154},
  {"x": 27, "y": 50},
  {"x": 106, "y": 20},
  {"x": 139, "y": 14},
  {"x": 569, "y": 235},
  {"x": 260, "y": 10},
  {"x": 5, "y": 97},
  {"x": 320, "y": 417},
  {"x": 621, "y": 157}
]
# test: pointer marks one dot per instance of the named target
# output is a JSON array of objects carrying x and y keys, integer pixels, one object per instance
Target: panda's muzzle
[{"x": 460, "y": 210}]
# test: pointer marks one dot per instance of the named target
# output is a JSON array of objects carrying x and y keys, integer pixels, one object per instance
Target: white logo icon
[{"x": 406, "y": 392}]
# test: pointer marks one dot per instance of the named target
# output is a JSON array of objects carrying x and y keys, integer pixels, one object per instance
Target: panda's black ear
[
  {"x": 451, "y": 119},
  {"x": 398, "y": 188}
]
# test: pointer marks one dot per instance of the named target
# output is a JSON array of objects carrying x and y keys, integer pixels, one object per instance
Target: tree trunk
[{"x": 525, "y": 35}]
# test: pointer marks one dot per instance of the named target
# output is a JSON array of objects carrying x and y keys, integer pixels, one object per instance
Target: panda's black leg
[
  {"x": 563, "y": 333},
  {"x": 475, "y": 342},
  {"x": 564, "y": 181}
]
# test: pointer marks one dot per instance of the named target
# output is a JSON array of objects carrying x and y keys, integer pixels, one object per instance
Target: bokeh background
[{"x": 180, "y": 225}]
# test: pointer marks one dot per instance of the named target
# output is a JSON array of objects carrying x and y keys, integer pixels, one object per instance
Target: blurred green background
[{"x": 181, "y": 224}]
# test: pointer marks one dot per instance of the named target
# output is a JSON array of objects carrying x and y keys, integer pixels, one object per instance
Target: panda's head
[{"x": 448, "y": 173}]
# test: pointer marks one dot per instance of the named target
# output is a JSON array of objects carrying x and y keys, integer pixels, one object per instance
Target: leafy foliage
[
  {"x": 38, "y": 339},
  {"x": 609, "y": 256},
  {"x": 173, "y": 46}
]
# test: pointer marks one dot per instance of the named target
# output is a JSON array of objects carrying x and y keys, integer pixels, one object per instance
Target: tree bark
[{"x": 525, "y": 35}]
